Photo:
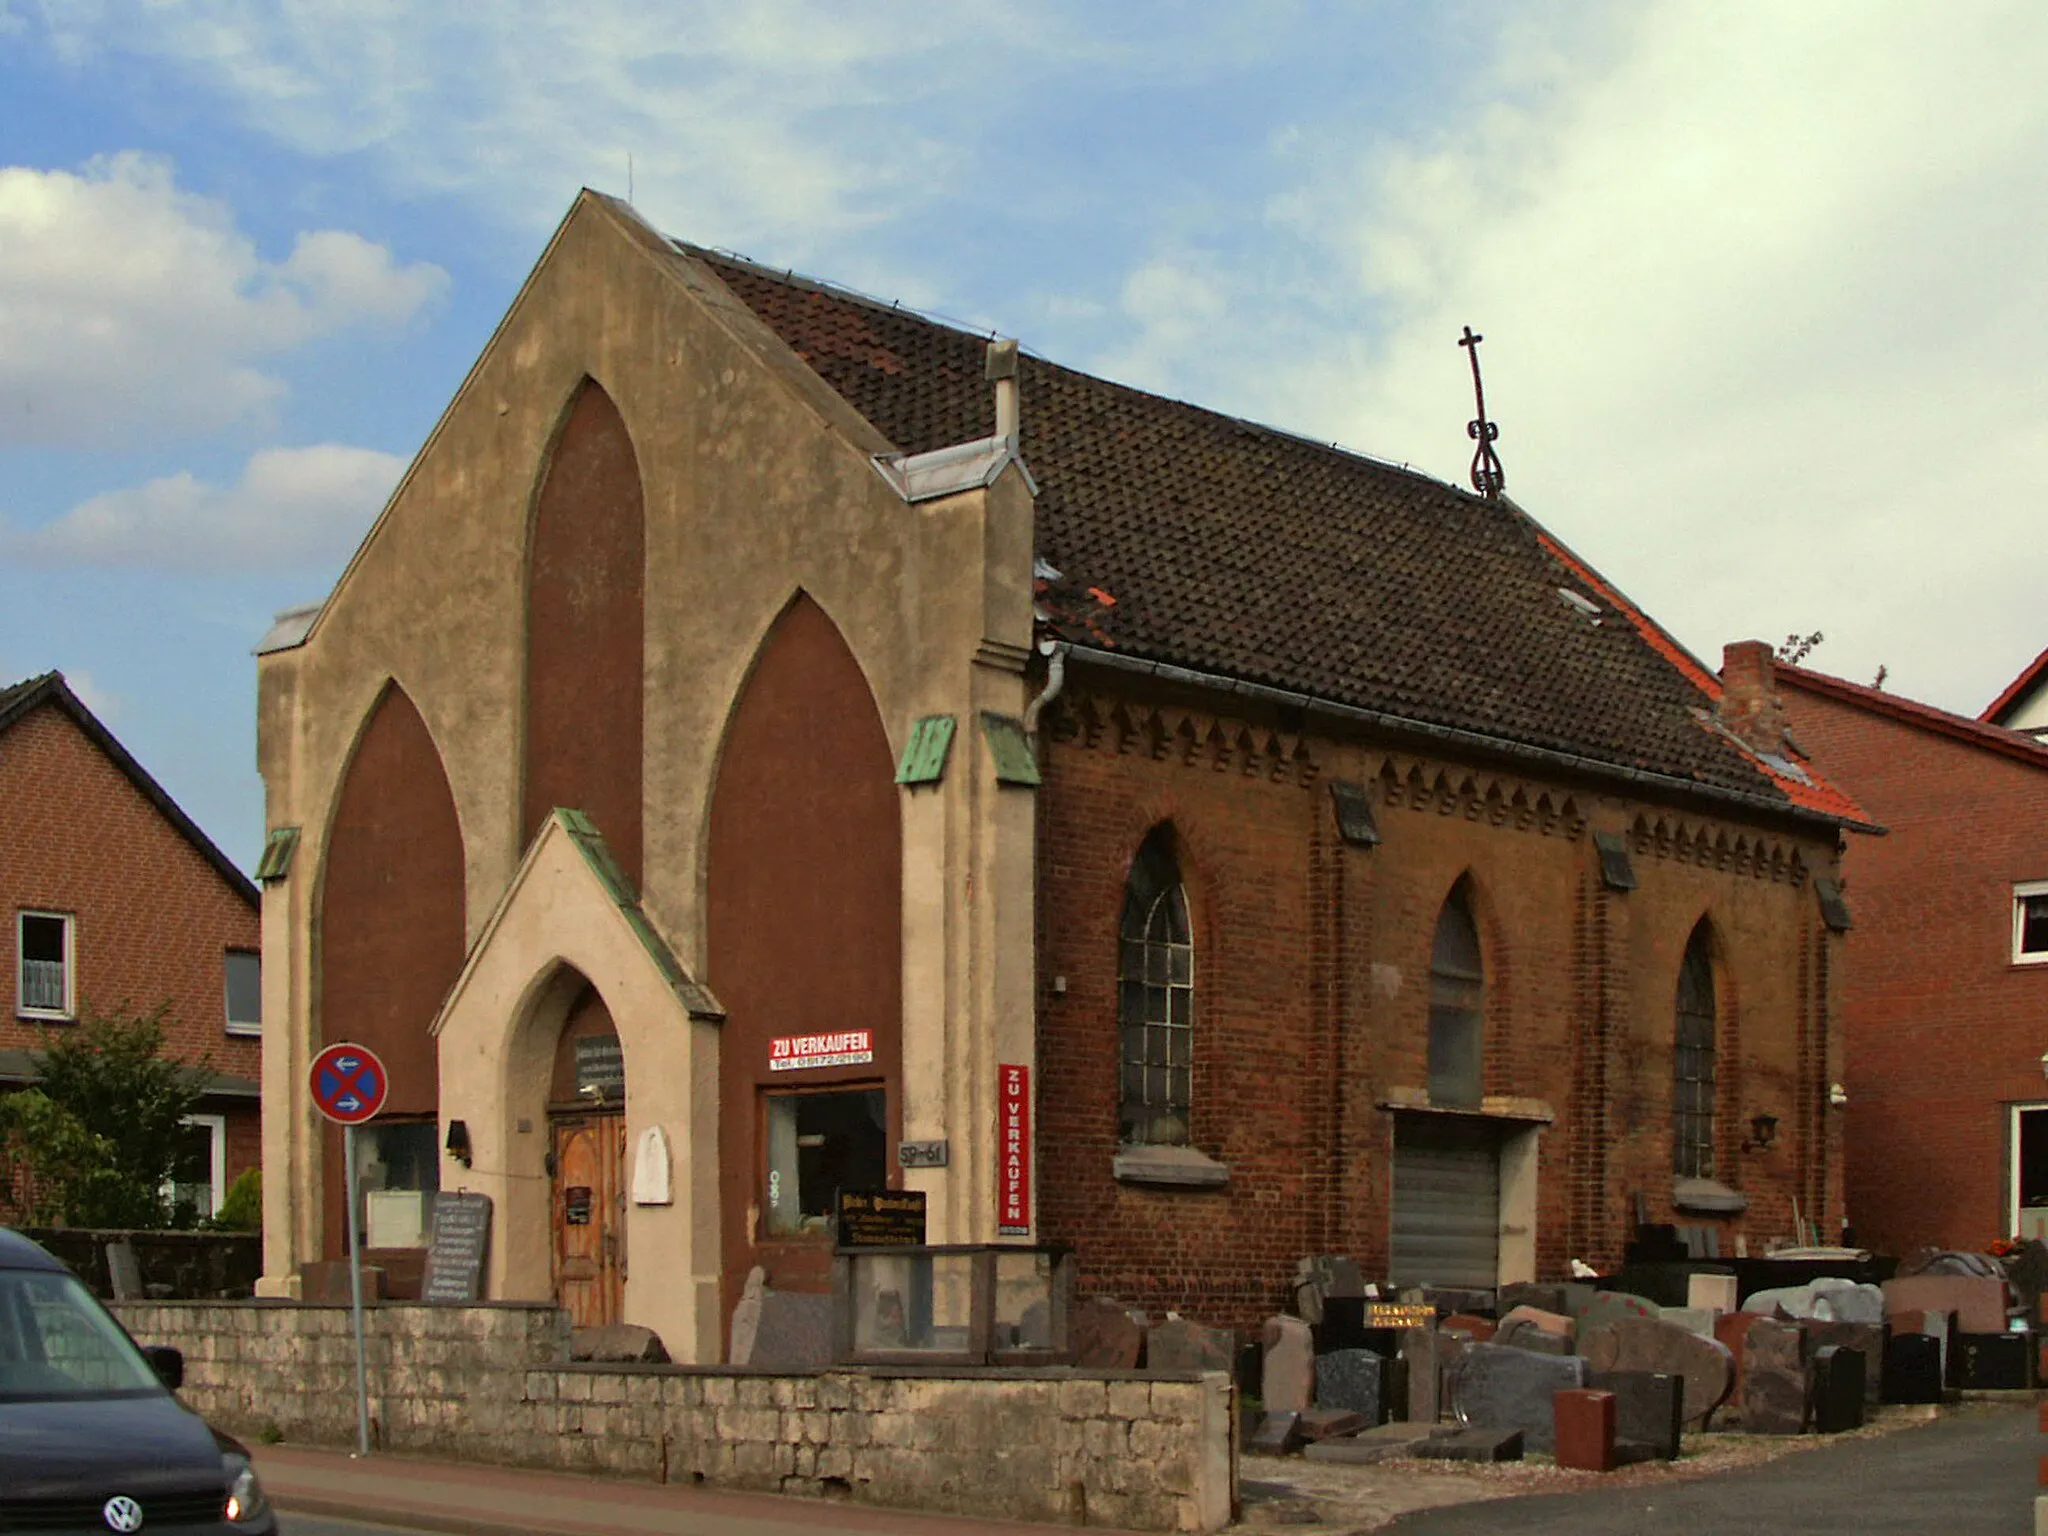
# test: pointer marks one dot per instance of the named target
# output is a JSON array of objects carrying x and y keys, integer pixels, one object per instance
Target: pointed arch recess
[
  {"x": 804, "y": 929},
  {"x": 1695, "y": 1056},
  {"x": 586, "y": 582},
  {"x": 1457, "y": 1003},
  {"x": 391, "y": 912}
]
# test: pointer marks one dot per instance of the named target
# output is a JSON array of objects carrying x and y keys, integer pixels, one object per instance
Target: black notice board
[
  {"x": 456, "y": 1248},
  {"x": 881, "y": 1218}
]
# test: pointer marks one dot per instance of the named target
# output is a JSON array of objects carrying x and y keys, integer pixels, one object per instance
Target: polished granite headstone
[
  {"x": 1837, "y": 1389},
  {"x": 1997, "y": 1362},
  {"x": 1585, "y": 1430},
  {"x": 1867, "y": 1339},
  {"x": 1353, "y": 1379},
  {"x": 1499, "y": 1387},
  {"x": 1912, "y": 1369},
  {"x": 1706, "y": 1366},
  {"x": 1472, "y": 1444},
  {"x": 1649, "y": 1409},
  {"x": 1774, "y": 1397}
]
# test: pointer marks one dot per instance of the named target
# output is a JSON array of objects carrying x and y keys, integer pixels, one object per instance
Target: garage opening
[{"x": 1447, "y": 1184}]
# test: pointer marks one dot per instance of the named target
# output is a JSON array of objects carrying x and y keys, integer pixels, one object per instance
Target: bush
[{"x": 242, "y": 1208}]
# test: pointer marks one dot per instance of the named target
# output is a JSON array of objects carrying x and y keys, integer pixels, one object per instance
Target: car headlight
[{"x": 245, "y": 1495}]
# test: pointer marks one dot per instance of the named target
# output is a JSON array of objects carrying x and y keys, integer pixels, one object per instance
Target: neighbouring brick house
[
  {"x": 766, "y": 727},
  {"x": 1945, "y": 984},
  {"x": 115, "y": 901}
]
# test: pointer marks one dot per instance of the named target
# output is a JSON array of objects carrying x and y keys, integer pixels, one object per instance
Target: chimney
[
  {"x": 1750, "y": 707},
  {"x": 1002, "y": 372}
]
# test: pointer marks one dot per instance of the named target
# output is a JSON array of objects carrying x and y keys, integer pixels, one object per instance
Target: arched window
[
  {"x": 1692, "y": 1062},
  {"x": 1156, "y": 973},
  {"x": 1457, "y": 988}
]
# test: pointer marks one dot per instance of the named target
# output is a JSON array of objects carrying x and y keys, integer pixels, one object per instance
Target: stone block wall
[{"x": 491, "y": 1383}]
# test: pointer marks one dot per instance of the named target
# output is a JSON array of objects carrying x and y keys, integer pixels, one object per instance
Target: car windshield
[{"x": 57, "y": 1341}]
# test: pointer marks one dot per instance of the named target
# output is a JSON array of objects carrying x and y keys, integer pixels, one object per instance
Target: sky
[{"x": 1761, "y": 283}]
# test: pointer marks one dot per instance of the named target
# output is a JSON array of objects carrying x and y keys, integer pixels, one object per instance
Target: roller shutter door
[{"x": 1446, "y": 1202}]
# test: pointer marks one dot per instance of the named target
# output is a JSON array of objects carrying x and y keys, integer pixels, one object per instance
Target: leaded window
[
  {"x": 1457, "y": 993},
  {"x": 1155, "y": 1008},
  {"x": 1692, "y": 1113}
]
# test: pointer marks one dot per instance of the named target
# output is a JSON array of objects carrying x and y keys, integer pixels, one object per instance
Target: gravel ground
[{"x": 1292, "y": 1493}]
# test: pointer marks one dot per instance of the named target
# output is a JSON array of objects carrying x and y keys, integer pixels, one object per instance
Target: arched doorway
[{"x": 586, "y": 1160}]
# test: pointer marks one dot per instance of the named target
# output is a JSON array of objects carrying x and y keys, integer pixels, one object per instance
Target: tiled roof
[
  {"x": 2018, "y": 689},
  {"x": 2017, "y": 745},
  {"x": 1189, "y": 537},
  {"x": 19, "y": 700}
]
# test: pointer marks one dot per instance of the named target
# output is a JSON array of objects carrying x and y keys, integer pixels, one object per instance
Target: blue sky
[{"x": 1761, "y": 284}]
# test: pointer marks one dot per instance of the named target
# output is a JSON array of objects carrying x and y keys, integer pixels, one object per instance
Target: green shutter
[
  {"x": 1016, "y": 763},
  {"x": 278, "y": 849},
  {"x": 924, "y": 755}
]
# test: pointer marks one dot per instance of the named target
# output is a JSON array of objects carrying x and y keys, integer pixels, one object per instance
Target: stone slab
[
  {"x": 1611, "y": 1307},
  {"x": 1649, "y": 1410},
  {"x": 1479, "y": 1329},
  {"x": 1717, "y": 1293},
  {"x": 1331, "y": 1423},
  {"x": 1473, "y": 1444},
  {"x": 1732, "y": 1329},
  {"x": 1290, "y": 1365},
  {"x": 1385, "y": 1442},
  {"x": 1705, "y": 1365},
  {"x": 1585, "y": 1430},
  {"x": 1498, "y": 1387},
  {"x": 1353, "y": 1380},
  {"x": 1175, "y": 1344},
  {"x": 1277, "y": 1434},
  {"x": 1104, "y": 1336},
  {"x": 1979, "y": 1301},
  {"x": 1774, "y": 1396},
  {"x": 1430, "y": 1355}
]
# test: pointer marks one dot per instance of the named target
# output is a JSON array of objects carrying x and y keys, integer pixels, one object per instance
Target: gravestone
[
  {"x": 1343, "y": 1324},
  {"x": 1353, "y": 1379},
  {"x": 1611, "y": 1307},
  {"x": 746, "y": 1318},
  {"x": 1277, "y": 1434},
  {"x": 124, "y": 1270},
  {"x": 1329, "y": 1423},
  {"x": 1472, "y": 1443},
  {"x": 1430, "y": 1355},
  {"x": 1289, "y": 1366},
  {"x": 1525, "y": 1293},
  {"x": 793, "y": 1332},
  {"x": 1478, "y": 1329},
  {"x": 1649, "y": 1410},
  {"x": 1997, "y": 1362},
  {"x": 1179, "y": 1345},
  {"x": 1104, "y": 1336},
  {"x": 1585, "y": 1430},
  {"x": 1844, "y": 1301},
  {"x": 1774, "y": 1398},
  {"x": 1699, "y": 1320},
  {"x": 1793, "y": 1301},
  {"x": 1912, "y": 1369},
  {"x": 1549, "y": 1322},
  {"x": 1496, "y": 1387},
  {"x": 1576, "y": 1298},
  {"x": 1867, "y": 1339},
  {"x": 1524, "y": 1334},
  {"x": 1717, "y": 1293},
  {"x": 1248, "y": 1369},
  {"x": 1939, "y": 1326},
  {"x": 1732, "y": 1329},
  {"x": 1837, "y": 1389},
  {"x": 1706, "y": 1366},
  {"x": 1385, "y": 1442},
  {"x": 1979, "y": 1301}
]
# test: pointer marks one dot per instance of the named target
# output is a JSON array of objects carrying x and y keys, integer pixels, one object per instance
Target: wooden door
[{"x": 590, "y": 1218}]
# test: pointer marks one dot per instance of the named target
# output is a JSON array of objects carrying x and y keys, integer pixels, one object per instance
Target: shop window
[
  {"x": 398, "y": 1171},
  {"x": 1457, "y": 997},
  {"x": 1156, "y": 993},
  {"x": 819, "y": 1144},
  {"x": 2030, "y": 923},
  {"x": 244, "y": 985},
  {"x": 1693, "y": 1066},
  {"x": 46, "y": 983}
]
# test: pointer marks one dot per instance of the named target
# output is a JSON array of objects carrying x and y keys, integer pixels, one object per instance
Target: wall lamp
[
  {"x": 458, "y": 1141},
  {"x": 1763, "y": 1130}
]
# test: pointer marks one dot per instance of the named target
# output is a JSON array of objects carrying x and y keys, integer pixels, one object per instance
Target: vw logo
[{"x": 122, "y": 1513}]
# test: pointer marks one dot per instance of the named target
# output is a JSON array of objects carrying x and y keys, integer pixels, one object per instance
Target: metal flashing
[
  {"x": 278, "y": 849},
  {"x": 1617, "y": 868},
  {"x": 924, "y": 755},
  {"x": 1016, "y": 763},
  {"x": 289, "y": 628},
  {"x": 1355, "y": 822},
  {"x": 695, "y": 996},
  {"x": 949, "y": 471}
]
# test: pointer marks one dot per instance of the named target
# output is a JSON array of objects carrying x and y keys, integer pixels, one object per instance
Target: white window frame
[
  {"x": 2020, "y": 892},
  {"x": 217, "y": 1166},
  {"x": 69, "y": 1011},
  {"x": 2012, "y": 1158},
  {"x": 247, "y": 1028}
]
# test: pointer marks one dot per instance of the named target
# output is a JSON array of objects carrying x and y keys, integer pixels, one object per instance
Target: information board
[
  {"x": 456, "y": 1246},
  {"x": 881, "y": 1218}
]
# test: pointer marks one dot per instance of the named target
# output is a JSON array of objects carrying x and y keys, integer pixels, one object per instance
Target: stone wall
[{"x": 490, "y": 1383}]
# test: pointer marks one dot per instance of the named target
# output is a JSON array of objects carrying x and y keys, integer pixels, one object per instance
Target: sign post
[{"x": 348, "y": 1086}]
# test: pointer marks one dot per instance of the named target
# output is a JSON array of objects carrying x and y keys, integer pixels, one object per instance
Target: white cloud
[
  {"x": 129, "y": 307},
  {"x": 95, "y": 698},
  {"x": 291, "y": 508}
]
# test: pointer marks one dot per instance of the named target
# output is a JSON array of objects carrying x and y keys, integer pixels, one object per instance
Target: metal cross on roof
[{"x": 1487, "y": 475}]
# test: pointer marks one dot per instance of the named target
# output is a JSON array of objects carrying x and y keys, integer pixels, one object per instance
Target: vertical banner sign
[{"x": 1013, "y": 1151}]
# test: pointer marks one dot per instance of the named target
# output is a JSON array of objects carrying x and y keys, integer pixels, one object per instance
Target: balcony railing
[{"x": 42, "y": 985}]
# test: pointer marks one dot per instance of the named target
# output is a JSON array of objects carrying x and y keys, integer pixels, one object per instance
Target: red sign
[
  {"x": 1013, "y": 1151},
  {"x": 848, "y": 1048},
  {"x": 348, "y": 1083}
]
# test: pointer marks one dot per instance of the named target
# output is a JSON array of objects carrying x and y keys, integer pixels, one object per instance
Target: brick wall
[
  {"x": 488, "y": 1384},
  {"x": 1943, "y": 1032},
  {"x": 153, "y": 918},
  {"x": 1312, "y": 988}
]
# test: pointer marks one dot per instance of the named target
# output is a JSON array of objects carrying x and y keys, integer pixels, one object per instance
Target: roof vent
[
  {"x": 1002, "y": 372},
  {"x": 1580, "y": 602}
]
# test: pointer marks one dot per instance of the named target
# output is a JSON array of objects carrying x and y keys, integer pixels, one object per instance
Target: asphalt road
[
  {"x": 315, "y": 1525},
  {"x": 1974, "y": 1471}
]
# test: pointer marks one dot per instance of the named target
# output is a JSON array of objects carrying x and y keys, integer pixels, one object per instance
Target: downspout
[{"x": 1055, "y": 681}]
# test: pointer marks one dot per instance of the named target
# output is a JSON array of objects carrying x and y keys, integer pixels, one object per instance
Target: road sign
[{"x": 348, "y": 1083}]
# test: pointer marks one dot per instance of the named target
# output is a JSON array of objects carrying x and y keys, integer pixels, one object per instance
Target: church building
[{"x": 773, "y": 742}]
